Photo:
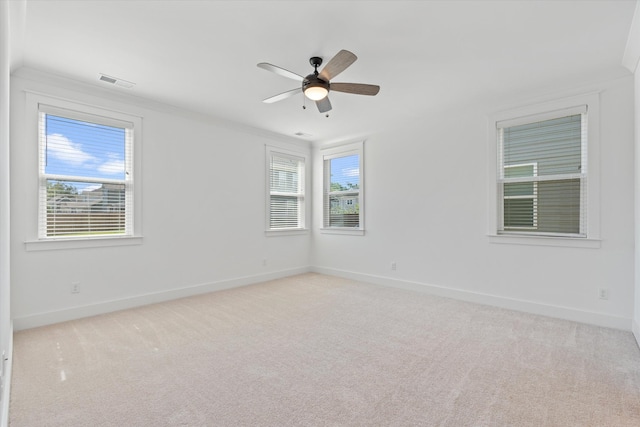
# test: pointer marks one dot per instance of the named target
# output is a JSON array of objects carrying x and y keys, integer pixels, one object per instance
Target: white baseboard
[
  {"x": 635, "y": 328},
  {"x": 48, "y": 318},
  {"x": 6, "y": 387},
  {"x": 566, "y": 313},
  {"x": 593, "y": 318}
]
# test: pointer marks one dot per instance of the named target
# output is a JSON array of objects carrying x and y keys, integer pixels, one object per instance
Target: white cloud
[
  {"x": 62, "y": 148},
  {"x": 112, "y": 167},
  {"x": 351, "y": 172}
]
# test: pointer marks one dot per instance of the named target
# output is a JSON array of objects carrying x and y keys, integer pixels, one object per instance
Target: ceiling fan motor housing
[{"x": 314, "y": 81}]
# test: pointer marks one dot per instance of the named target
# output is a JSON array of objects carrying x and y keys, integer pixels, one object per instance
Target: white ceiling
[{"x": 425, "y": 55}]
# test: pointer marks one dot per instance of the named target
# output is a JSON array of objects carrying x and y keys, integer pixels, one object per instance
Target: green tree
[
  {"x": 58, "y": 188},
  {"x": 336, "y": 186}
]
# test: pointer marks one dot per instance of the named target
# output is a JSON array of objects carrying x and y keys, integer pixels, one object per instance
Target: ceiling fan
[{"x": 316, "y": 86}]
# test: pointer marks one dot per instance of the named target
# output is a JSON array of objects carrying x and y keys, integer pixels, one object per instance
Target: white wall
[
  {"x": 636, "y": 313},
  {"x": 5, "y": 320},
  {"x": 210, "y": 237},
  {"x": 631, "y": 60},
  {"x": 426, "y": 209}
]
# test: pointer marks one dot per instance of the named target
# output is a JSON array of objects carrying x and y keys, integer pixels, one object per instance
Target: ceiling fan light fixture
[{"x": 316, "y": 91}]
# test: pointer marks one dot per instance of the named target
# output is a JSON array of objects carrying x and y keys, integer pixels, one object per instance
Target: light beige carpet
[{"x": 315, "y": 350}]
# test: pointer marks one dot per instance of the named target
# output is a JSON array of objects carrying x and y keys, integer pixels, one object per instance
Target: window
[
  {"x": 546, "y": 174},
  {"x": 343, "y": 189},
  {"x": 543, "y": 175},
  {"x": 85, "y": 173},
  {"x": 286, "y": 190}
]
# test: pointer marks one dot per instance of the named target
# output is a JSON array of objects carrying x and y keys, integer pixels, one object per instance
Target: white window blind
[
  {"x": 542, "y": 174},
  {"x": 86, "y": 175},
  {"x": 342, "y": 189},
  {"x": 286, "y": 191}
]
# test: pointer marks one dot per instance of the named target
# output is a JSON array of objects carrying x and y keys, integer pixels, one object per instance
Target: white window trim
[
  {"x": 541, "y": 112},
  {"x": 270, "y": 151},
  {"x": 333, "y": 152},
  {"x": 33, "y": 242}
]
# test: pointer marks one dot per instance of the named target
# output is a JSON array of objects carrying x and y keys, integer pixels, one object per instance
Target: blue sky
[
  {"x": 80, "y": 148},
  {"x": 345, "y": 170}
]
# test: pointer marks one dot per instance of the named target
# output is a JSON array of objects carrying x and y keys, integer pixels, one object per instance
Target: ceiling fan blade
[
  {"x": 338, "y": 64},
  {"x": 357, "y": 88},
  {"x": 283, "y": 95},
  {"x": 281, "y": 71},
  {"x": 324, "y": 105}
]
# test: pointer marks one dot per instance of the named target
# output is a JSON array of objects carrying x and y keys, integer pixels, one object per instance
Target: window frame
[
  {"x": 328, "y": 154},
  {"x": 302, "y": 196},
  {"x": 38, "y": 104},
  {"x": 535, "y": 113}
]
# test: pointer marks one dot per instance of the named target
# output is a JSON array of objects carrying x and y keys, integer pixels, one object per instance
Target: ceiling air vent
[{"x": 116, "y": 81}]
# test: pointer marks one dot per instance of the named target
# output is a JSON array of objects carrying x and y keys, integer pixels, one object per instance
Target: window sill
[
  {"x": 571, "y": 242},
  {"x": 287, "y": 232},
  {"x": 76, "y": 243},
  {"x": 346, "y": 231}
]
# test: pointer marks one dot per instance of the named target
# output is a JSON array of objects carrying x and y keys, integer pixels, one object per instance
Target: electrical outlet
[
  {"x": 603, "y": 293},
  {"x": 75, "y": 287},
  {"x": 393, "y": 266}
]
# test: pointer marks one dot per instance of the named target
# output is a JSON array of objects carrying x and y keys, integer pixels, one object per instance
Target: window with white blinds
[
  {"x": 86, "y": 174},
  {"x": 543, "y": 174},
  {"x": 286, "y": 192},
  {"x": 343, "y": 188}
]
